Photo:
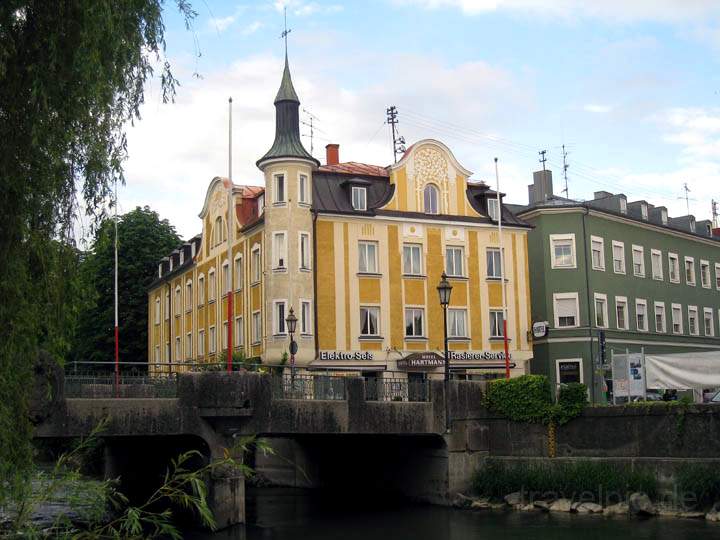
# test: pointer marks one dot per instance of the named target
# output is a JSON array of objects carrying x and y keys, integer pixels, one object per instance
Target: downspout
[
  {"x": 170, "y": 326},
  {"x": 589, "y": 309},
  {"x": 315, "y": 284}
]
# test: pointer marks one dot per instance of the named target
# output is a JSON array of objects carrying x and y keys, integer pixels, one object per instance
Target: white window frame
[
  {"x": 306, "y": 324},
  {"x": 496, "y": 328},
  {"x": 178, "y": 349},
  {"x": 238, "y": 272},
  {"x": 303, "y": 190},
  {"x": 578, "y": 361},
  {"x": 495, "y": 252},
  {"x": 492, "y": 204},
  {"x": 673, "y": 258},
  {"x": 201, "y": 290},
  {"x": 661, "y": 306},
  {"x": 691, "y": 260},
  {"x": 709, "y": 311},
  {"x": 201, "y": 342},
  {"x": 361, "y": 201},
  {"x": 157, "y": 310},
  {"x": 644, "y": 211},
  {"x": 623, "y": 205},
  {"x": 693, "y": 310},
  {"x": 212, "y": 286},
  {"x": 705, "y": 264},
  {"x": 638, "y": 250},
  {"x": 412, "y": 311},
  {"x": 621, "y": 245},
  {"x": 276, "y": 191},
  {"x": 225, "y": 278},
  {"x": 454, "y": 272},
  {"x": 601, "y": 263},
  {"x": 167, "y": 305},
  {"x": 178, "y": 301},
  {"x": 436, "y": 190},
  {"x": 368, "y": 309},
  {"x": 453, "y": 313},
  {"x": 304, "y": 262},
  {"x": 224, "y": 336},
  {"x": 659, "y": 274},
  {"x": 717, "y": 276},
  {"x": 238, "y": 332},
  {"x": 673, "y": 309},
  {"x": 212, "y": 340},
  {"x": 188, "y": 345},
  {"x": 411, "y": 271},
  {"x": 566, "y": 296},
  {"x": 280, "y": 258},
  {"x": 261, "y": 204},
  {"x": 157, "y": 354},
  {"x": 563, "y": 238},
  {"x": 279, "y": 323},
  {"x": 256, "y": 264},
  {"x": 256, "y": 327},
  {"x": 369, "y": 268},
  {"x": 641, "y": 302},
  {"x": 602, "y": 297},
  {"x": 622, "y": 301},
  {"x": 188, "y": 295}
]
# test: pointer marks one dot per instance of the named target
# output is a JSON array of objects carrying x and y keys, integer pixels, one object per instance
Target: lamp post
[
  {"x": 444, "y": 290},
  {"x": 291, "y": 321}
]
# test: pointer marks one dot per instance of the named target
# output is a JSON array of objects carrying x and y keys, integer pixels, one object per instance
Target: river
[{"x": 285, "y": 514}]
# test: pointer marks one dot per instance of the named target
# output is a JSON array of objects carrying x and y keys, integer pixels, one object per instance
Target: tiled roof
[
  {"x": 353, "y": 167},
  {"x": 252, "y": 191}
]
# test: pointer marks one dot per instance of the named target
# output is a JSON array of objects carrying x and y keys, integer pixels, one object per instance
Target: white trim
[
  {"x": 604, "y": 298},
  {"x": 586, "y": 339},
  {"x": 688, "y": 259},
  {"x": 464, "y": 310},
  {"x": 256, "y": 340},
  {"x": 201, "y": 290},
  {"x": 676, "y": 258},
  {"x": 431, "y": 142},
  {"x": 707, "y": 310},
  {"x": 411, "y": 246},
  {"x": 308, "y": 191},
  {"x": 705, "y": 263},
  {"x": 213, "y": 183},
  {"x": 378, "y": 324},
  {"x": 462, "y": 273},
  {"x": 622, "y": 300},
  {"x": 562, "y": 238},
  {"x": 423, "y": 322},
  {"x": 566, "y": 296},
  {"x": 238, "y": 340},
  {"x": 255, "y": 269},
  {"x": 275, "y": 256},
  {"x": 673, "y": 307},
  {"x": 367, "y": 269},
  {"x": 301, "y": 234},
  {"x": 275, "y": 175},
  {"x": 642, "y": 302},
  {"x": 275, "y": 320},
  {"x": 157, "y": 309},
  {"x": 694, "y": 309},
  {"x": 238, "y": 277},
  {"x": 657, "y": 305},
  {"x": 601, "y": 240},
  {"x": 568, "y": 360},
  {"x": 717, "y": 276},
  {"x": 641, "y": 251},
  {"x": 660, "y": 276},
  {"x": 212, "y": 339},
  {"x": 212, "y": 290},
  {"x": 201, "y": 342},
  {"x": 309, "y": 329},
  {"x": 617, "y": 243},
  {"x": 358, "y": 189},
  {"x": 329, "y": 216}
]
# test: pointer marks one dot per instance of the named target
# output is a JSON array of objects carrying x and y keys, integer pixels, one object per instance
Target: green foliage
[
  {"x": 73, "y": 75},
  {"x": 143, "y": 239},
  {"x": 564, "y": 479},
  {"x": 699, "y": 479},
  {"x": 572, "y": 399}
]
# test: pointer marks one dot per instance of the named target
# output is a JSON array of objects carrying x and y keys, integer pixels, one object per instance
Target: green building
[{"x": 623, "y": 270}]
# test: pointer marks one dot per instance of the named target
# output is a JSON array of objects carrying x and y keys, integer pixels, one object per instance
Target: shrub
[
  {"x": 701, "y": 480},
  {"x": 522, "y": 399},
  {"x": 572, "y": 399}
]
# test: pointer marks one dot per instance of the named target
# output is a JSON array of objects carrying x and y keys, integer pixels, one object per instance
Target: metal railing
[
  {"x": 309, "y": 387},
  {"x": 97, "y": 386},
  {"x": 396, "y": 389}
]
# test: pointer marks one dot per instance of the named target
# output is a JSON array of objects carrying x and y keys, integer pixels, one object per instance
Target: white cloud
[
  {"x": 221, "y": 23},
  {"x": 252, "y": 28},
  {"x": 596, "y": 108},
  {"x": 301, "y": 8}
]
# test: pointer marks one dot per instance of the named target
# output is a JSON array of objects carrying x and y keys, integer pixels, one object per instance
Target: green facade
[{"x": 581, "y": 341}]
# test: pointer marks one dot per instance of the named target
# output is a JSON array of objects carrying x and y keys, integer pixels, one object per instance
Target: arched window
[
  {"x": 430, "y": 198},
  {"x": 218, "y": 231}
]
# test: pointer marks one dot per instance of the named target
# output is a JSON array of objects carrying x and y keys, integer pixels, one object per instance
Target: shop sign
[
  {"x": 421, "y": 360},
  {"x": 349, "y": 355},
  {"x": 540, "y": 329},
  {"x": 481, "y": 355}
]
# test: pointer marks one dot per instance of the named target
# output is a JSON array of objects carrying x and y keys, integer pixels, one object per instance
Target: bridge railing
[
  {"x": 396, "y": 389},
  {"x": 96, "y": 385},
  {"x": 320, "y": 387}
]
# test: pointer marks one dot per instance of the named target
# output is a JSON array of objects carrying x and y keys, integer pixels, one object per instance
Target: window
[
  {"x": 705, "y": 274},
  {"x": 367, "y": 258},
  {"x": 157, "y": 311},
  {"x": 673, "y": 268},
  {"x": 279, "y": 251},
  {"x": 638, "y": 255},
  {"x": 212, "y": 346},
  {"x": 677, "y": 322},
  {"x": 201, "y": 342},
  {"x": 494, "y": 269},
  {"x": 256, "y": 327},
  {"x": 369, "y": 321},
  {"x": 238, "y": 274},
  {"x": 239, "y": 335},
  {"x": 618, "y": 257},
  {"x": 641, "y": 315},
  {"x": 225, "y": 277},
  {"x": 623, "y": 206},
  {"x": 454, "y": 261},
  {"x": 188, "y": 295},
  {"x": 201, "y": 290},
  {"x": 717, "y": 276},
  {"x": 182, "y": 257},
  {"x": 279, "y": 187},
  {"x": 261, "y": 204},
  {"x": 569, "y": 371},
  {"x": 601, "y": 310},
  {"x": 656, "y": 264},
  {"x": 660, "y": 317},
  {"x": 224, "y": 337},
  {"x": 562, "y": 250},
  {"x": 457, "y": 323},
  {"x": 188, "y": 345},
  {"x": 167, "y": 305},
  {"x": 212, "y": 288},
  {"x": 597, "y": 247},
  {"x": 412, "y": 259},
  {"x": 621, "y": 312},
  {"x": 492, "y": 204},
  {"x": 664, "y": 216},
  {"x": 690, "y": 271},
  {"x": 218, "y": 231},
  {"x": 708, "y": 322},
  {"x": 305, "y": 317},
  {"x": 255, "y": 267},
  {"x": 178, "y": 348},
  {"x": 644, "y": 211},
  {"x": 279, "y": 317},
  {"x": 414, "y": 322},
  {"x": 359, "y": 198},
  {"x": 157, "y": 354},
  {"x": 167, "y": 351},
  {"x": 178, "y": 301},
  {"x": 496, "y": 324},
  {"x": 693, "y": 320},
  {"x": 566, "y": 309},
  {"x": 304, "y": 250},
  {"x": 430, "y": 199},
  {"x": 303, "y": 197}
]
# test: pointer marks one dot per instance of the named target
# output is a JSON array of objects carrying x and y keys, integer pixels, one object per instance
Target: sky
[{"x": 631, "y": 88}]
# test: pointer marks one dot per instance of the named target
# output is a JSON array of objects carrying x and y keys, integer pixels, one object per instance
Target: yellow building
[{"x": 356, "y": 251}]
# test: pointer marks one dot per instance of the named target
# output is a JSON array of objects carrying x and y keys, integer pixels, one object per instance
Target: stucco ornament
[
  {"x": 431, "y": 167},
  {"x": 217, "y": 205}
]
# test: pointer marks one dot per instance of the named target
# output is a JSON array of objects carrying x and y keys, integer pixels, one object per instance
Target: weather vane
[{"x": 285, "y": 32}]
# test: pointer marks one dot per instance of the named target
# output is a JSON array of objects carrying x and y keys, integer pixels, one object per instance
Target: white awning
[{"x": 683, "y": 370}]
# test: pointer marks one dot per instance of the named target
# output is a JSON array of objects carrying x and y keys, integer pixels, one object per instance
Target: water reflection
[{"x": 284, "y": 514}]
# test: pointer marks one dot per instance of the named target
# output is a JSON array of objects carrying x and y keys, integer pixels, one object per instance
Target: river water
[{"x": 285, "y": 514}]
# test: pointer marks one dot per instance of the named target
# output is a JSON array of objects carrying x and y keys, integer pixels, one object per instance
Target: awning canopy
[{"x": 683, "y": 370}]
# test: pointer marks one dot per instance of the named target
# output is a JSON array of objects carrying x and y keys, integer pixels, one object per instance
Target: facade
[
  {"x": 356, "y": 251},
  {"x": 648, "y": 281}
]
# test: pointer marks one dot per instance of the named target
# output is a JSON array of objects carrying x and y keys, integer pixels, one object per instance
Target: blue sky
[{"x": 630, "y": 87}]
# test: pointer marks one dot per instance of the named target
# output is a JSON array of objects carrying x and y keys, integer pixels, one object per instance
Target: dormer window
[
  {"x": 359, "y": 198},
  {"x": 692, "y": 225},
  {"x": 492, "y": 204},
  {"x": 430, "y": 199},
  {"x": 664, "y": 216},
  {"x": 644, "y": 211},
  {"x": 182, "y": 257},
  {"x": 623, "y": 206}
]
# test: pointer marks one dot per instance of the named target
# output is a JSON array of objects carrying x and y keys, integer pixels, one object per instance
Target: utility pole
[
  {"x": 543, "y": 157},
  {"x": 566, "y": 166},
  {"x": 398, "y": 141}
]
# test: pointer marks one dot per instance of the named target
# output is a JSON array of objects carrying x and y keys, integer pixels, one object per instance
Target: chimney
[
  {"x": 332, "y": 154},
  {"x": 716, "y": 233},
  {"x": 542, "y": 188}
]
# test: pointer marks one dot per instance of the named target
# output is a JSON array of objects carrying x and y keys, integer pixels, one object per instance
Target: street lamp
[
  {"x": 291, "y": 321},
  {"x": 444, "y": 290}
]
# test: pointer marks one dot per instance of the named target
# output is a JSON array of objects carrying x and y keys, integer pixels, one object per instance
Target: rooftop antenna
[
  {"x": 398, "y": 141},
  {"x": 285, "y": 31},
  {"x": 686, "y": 189},
  {"x": 310, "y": 124},
  {"x": 566, "y": 166},
  {"x": 543, "y": 158}
]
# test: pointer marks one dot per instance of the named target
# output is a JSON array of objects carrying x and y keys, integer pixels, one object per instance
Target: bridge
[{"x": 381, "y": 435}]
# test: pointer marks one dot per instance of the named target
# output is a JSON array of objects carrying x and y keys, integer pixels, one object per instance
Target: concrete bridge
[{"x": 347, "y": 437}]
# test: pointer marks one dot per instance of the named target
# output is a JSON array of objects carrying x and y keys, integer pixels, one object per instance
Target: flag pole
[
  {"x": 117, "y": 331},
  {"x": 230, "y": 223},
  {"x": 502, "y": 273}
]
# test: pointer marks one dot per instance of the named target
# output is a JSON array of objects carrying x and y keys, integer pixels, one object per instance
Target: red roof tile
[{"x": 353, "y": 167}]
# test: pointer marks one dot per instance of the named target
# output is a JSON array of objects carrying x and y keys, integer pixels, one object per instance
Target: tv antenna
[
  {"x": 687, "y": 198},
  {"x": 285, "y": 31},
  {"x": 543, "y": 157},
  {"x": 398, "y": 141},
  {"x": 311, "y": 124},
  {"x": 566, "y": 166}
]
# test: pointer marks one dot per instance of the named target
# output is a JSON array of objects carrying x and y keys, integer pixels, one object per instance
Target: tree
[
  {"x": 143, "y": 239},
  {"x": 72, "y": 75}
]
